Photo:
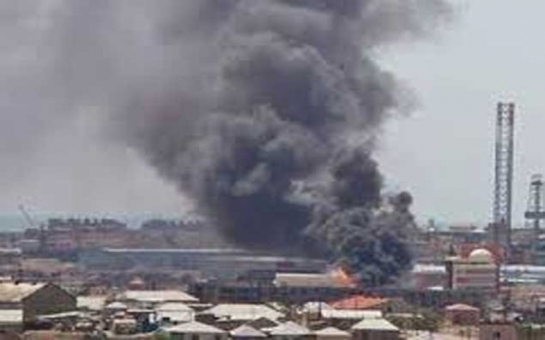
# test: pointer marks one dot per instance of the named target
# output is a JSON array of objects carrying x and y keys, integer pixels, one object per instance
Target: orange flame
[{"x": 343, "y": 277}]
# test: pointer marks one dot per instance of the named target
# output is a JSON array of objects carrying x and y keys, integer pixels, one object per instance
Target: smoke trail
[{"x": 255, "y": 110}]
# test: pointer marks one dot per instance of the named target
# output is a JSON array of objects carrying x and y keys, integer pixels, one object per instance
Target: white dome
[{"x": 481, "y": 255}]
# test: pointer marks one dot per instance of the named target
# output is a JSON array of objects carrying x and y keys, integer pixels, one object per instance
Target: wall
[
  {"x": 497, "y": 332},
  {"x": 375, "y": 335}
]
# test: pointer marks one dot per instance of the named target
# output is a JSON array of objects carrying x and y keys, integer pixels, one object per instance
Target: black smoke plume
[
  {"x": 263, "y": 112},
  {"x": 273, "y": 139}
]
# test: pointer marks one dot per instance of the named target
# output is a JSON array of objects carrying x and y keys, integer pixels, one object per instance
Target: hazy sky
[{"x": 443, "y": 153}]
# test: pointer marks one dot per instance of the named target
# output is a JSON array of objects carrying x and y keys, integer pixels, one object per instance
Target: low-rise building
[
  {"x": 478, "y": 271},
  {"x": 91, "y": 303},
  {"x": 461, "y": 314},
  {"x": 375, "y": 329},
  {"x": 152, "y": 298},
  {"x": 290, "y": 331},
  {"x": 243, "y": 312},
  {"x": 35, "y": 299},
  {"x": 174, "y": 313}
]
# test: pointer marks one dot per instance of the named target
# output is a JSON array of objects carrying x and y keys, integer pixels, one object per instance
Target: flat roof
[{"x": 176, "y": 250}]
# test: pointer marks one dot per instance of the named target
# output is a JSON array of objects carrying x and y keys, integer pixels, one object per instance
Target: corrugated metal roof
[
  {"x": 332, "y": 332},
  {"x": 349, "y": 314},
  {"x": 157, "y": 296},
  {"x": 379, "y": 324},
  {"x": 11, "y": 316},
  {"x": 243, "y": 312},
  {"x": 289, "y": 328},
  {"x": 16, "y": 292},
  {"x": 194, "y": 327},
  {"x": 246, "y": 331}
]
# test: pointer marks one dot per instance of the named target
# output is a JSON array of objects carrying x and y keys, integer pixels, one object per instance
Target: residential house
[
  {"x": 290, "y": 331},
  {"x": 464, "y": 315},
  {"x": 152, "y": 298},
  {"x": 375, "y": 329}
]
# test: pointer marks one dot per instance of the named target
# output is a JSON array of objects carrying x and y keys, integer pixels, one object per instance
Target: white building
[
  {"x": 152, "y": 298},
  {"x": 243, "y": 312},
  {"x": 478, "y": 271}
]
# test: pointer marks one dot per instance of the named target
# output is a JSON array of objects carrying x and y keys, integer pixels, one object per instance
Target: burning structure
[
  {"x": 264, "y": 113},
  {"x": 271, "y": 129}
]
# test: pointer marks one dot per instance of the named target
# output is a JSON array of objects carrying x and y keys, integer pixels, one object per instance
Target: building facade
[{"x": 478, "y": 271}]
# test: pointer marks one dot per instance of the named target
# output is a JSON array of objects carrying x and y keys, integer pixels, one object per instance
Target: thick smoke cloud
[{"x": 264, "y": 113}]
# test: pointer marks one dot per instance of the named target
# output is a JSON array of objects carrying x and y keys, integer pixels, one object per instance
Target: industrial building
[
  {"x": 211, "y": 263},
  {"x": 477, "y": 271}
]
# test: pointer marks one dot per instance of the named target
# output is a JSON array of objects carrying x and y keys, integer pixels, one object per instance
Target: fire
[{"x": 343, "y": 277}]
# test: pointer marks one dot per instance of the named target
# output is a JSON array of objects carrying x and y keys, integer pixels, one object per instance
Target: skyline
[{"x": 442, "y": 153}]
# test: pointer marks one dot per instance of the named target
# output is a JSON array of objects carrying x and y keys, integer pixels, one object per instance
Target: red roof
[{"x": 359, "y": 302}]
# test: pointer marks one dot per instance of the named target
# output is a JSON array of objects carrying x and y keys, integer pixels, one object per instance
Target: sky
[{"x": 442, "y": 153}]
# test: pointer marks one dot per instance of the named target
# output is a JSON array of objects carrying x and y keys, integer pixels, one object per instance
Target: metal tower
[
  {"x": 535, "y": 211},
  {"x": 503, "y": 182}
]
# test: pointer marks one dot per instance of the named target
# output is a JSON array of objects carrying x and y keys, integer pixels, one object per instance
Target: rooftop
[
  {"x": 246, "y": 331},
  {"x": 289, "y": 328},
  {"x": 194, "y": 327},
  {"x": 157, "y": 296},
  {"x": 16, "y": 292},
  {"x": 375, "y": 325},
  {"x": 350, "y": 314},
  {"x": 93, "y": 303},
  {"x": 359, "y": 302},
  {"x": 176, "y": 250},
  {"x": 244, "y": 312},
  {"x": 332, "y": 332},
  {"x": 309, "y": 280}
]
